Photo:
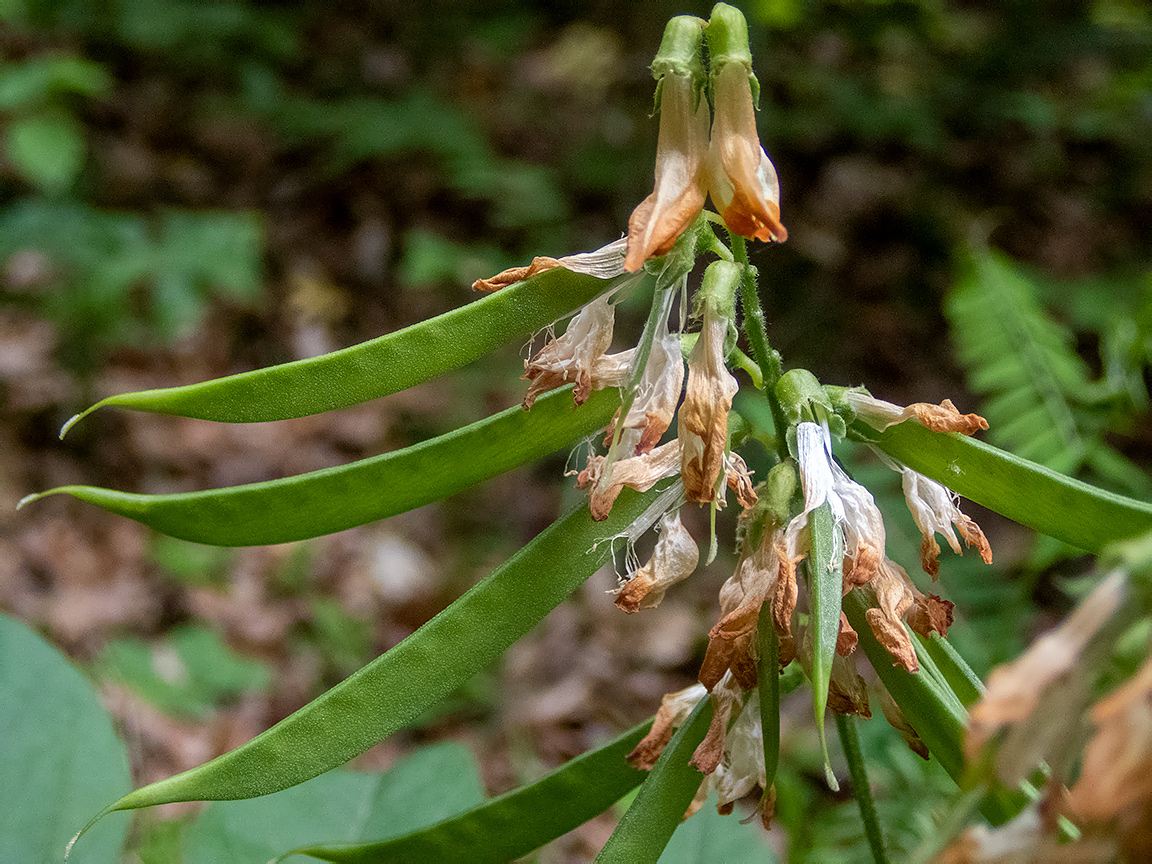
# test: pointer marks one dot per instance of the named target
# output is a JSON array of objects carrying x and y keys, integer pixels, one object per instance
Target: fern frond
[{"x": 1022, "y": 360}]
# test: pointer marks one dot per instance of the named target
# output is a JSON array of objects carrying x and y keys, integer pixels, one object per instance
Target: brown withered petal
[
  {"x": 678, "y": 196},
  {"x": 607, "y": 262},
  {"x": 674, "y": 710},
  {"x": 1117, "y": 768},
  {"x": 847, "y": 692},
  {"x": 944, "y": 417},
  {"x": 973, "y": 536},
  {"x": 637, "y": 472},
  {"x": 786, "y": 592},
  {"x": 897, "y": 721},
  {"x": 703, "y": 418},
  {"x": 930, "y": 614},
  {"x": 864, "y": 567},
  {"x": 674, "y": 558},
  {"x": 515, "y": 274},
  {"x": 1038, "y": 697},
  {"x": 731, "y": 641},
  {"x": 740, "y": 481},
  {"x": 886, "y": 620},
  {"x": 726, "y": 699},
  {"x": 847, "y": 638}
]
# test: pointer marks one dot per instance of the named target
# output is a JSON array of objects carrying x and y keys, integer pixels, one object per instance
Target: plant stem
[
  {"x": 771, "y": 367},
  {"x": 846, "y": 726}
]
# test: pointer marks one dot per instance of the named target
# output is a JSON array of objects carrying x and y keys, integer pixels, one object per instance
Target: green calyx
[
  {"x": 727, "y": 33},
  {"x": 804, "y": 400},
  {"x": 679, "y": 52}
]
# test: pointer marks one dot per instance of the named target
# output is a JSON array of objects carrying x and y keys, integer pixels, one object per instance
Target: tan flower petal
[
  {"x": 678, "y": 196},
  {"x": 637, "y": 472},
  {"x": 847, "y": 692},
  {"x": 573, "y": 356},
  {"x": 1117, "y": 767},
  {"x": 703, "y": 419},
  {"x": 726, "y": 699},
  {"x": 786, "y": 593},
  {"x": 1037, "y": 698},
  {"x": 674, "y": 710},
  {"x": 897, "y": 721},
  {"x": 515, "y": 274},
  {"x": 674, "y": 558},
  {"x": 934, "y": 509},
  {"x": 741, "y": 178},
  {"x": 886, "y": 620},
  {"x": 944, "y": 417}
]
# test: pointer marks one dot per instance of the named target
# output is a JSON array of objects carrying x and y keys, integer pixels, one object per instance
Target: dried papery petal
[
  {"x": 739, "y": 479},
  {"x": 678, "y": 196},
  {"x": 944, "y": 417},
  {"x": 703, "y": 422},
  {"x": 637, "y": 472},
  {"x": 846, "y": 638},
  {"x": 572, "y": 357},
  {"x": 658, "y": 394},
  {"x": 1039, "y": 697},
  {"x": 607, "y": 262},
  {"x": 929, "y": 614},
  {"x": 934, "y": 509},
  {"x": 897, "y": 720},
  {"x": 741, "y": 767},
  {"x": 674, "y": 558},
  {"x": 847, "y": 692},
  {"x": 727, "y": 698},
  {"x": 893, "y": 598},
  {"x": 741, "y": 178},
  {"x": 731, "y": 643},
  {"x": 674, "y": 710},
  {"x": 786, "y": 593},
  {"x": 1116, "y": 776}
]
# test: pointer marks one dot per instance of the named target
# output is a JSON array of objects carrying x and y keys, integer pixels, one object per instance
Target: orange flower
[
  {"x": 678, "y": 196},
  {"x": 741, "y": 178}
]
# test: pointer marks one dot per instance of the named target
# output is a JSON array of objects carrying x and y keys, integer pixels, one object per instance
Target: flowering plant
[{"x": 814, "y": 590}]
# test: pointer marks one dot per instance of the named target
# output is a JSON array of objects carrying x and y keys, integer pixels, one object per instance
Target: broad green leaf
[
  {"x": 825, "y": 570},
  {"x": 60, "y": 758},
  {"x": 1069, "y": 510},
  {"x": 376, "y": 368},
  {"x": 321, "y": 502},
  {"x": 649, "y": 822},
  {"x": 430, "y": 784},
  {"x": 708, "y": 836},
  {"x": 46, "y": 149},
  {"x": 427, "y": 666},
  {"x": 514, "y": 823}
]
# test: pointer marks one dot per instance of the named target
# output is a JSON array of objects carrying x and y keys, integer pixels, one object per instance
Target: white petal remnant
[
  {"x": 606, "y": 479},
  {"x": 675, "y": 558},
  {"x": 944, "y": 417},
  {"x": 934, "y": 508},
  {"x": 572, "y": 357},
  {"x": 607, "y": 262}
]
